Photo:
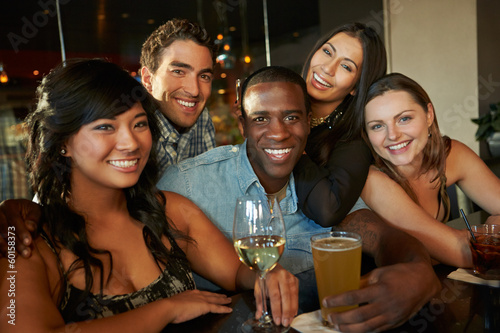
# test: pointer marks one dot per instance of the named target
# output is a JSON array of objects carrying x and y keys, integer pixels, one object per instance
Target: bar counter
[{"x": 458, "y": 307}]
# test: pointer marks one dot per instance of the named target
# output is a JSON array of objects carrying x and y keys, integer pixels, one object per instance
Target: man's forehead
[
  {"x": 273, "y": 92},
  {"x": 188, "y": 52},
  {"x": 281, "y": 85}
]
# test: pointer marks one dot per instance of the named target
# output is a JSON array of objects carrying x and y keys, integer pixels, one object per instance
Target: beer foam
[{"x": 335, "y": 244}]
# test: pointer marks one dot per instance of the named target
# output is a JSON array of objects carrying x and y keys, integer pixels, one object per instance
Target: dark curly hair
[
  {"x": 166, "y": 34},
  {"x": 73, "y": 94}
]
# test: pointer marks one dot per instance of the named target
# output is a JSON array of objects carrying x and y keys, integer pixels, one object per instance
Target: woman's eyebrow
[{"x": 348, "y": 59}]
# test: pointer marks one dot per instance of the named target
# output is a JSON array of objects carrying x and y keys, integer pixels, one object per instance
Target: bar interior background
[{"x": 449, "y": 46}]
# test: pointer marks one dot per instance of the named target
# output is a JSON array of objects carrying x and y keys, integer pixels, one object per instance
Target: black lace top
[{"x": 327, "y": 193}]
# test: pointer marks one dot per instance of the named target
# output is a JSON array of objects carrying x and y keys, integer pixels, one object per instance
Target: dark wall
[
  {"x": 488, "y": 30},
  {"x": 337, "y": 12}
]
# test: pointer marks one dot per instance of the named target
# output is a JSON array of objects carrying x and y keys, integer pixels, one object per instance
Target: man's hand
[
  {"x": 390, "y": 296},
  {"x": 283, "y": 292},
  {"x": 493, "y": 219},
  {"x": 20, "y": 216},
  {"x": 392, "y": 293}
]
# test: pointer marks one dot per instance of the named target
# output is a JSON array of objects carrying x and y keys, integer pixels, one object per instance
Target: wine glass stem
[{"x": 265, "y": 319}]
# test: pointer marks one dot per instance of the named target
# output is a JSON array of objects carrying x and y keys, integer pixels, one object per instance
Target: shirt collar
[
  {"x": 250, "y": 184},
  {"x": 246, "y": 174},
  {"x": 168, "y": 131}
]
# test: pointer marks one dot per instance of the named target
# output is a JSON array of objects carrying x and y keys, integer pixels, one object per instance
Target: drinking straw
[{"x": 468, "y": 225}]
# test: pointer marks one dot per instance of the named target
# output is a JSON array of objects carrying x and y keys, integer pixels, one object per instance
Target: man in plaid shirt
[
  {"x": 13, "y": 179},
  {"x": 177, "y": 63}
]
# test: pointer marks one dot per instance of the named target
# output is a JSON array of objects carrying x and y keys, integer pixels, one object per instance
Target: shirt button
[{"x": 234, "y": 149}]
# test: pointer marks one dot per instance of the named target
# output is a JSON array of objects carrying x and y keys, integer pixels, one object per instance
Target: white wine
[{"x": 260, "y": 253}]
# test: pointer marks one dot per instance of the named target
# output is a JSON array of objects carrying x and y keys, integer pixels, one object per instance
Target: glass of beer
[
  {"x": 337, "y": 264},
  {"x": 486, "y": 251}
]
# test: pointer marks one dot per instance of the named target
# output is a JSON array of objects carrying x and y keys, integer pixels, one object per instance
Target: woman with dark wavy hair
[
  {"x": 116, "y": 253},
  {"x": 414, "y": 164},
  {"x": 338, "y": 71}
]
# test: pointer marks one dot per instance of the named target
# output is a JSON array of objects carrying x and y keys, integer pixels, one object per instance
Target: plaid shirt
[
  {"x": 13, "y": 181},
  {"x": 174, "y": 147}
]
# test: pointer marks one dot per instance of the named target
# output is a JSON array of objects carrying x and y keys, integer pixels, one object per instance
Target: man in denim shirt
[
  {"x": 275, "y": 121},
  {"x": 276, "y": 125}
]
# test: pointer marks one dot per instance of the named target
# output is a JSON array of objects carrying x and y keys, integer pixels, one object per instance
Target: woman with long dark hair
[
  {"x": 116, "y": 253},
  {"x": 338, "y": 71}
]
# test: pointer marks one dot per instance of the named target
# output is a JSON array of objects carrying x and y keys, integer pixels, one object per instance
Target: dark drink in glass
[{"x": 486, "y": 251}]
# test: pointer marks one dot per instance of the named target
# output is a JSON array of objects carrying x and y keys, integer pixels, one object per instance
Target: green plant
[{"x": 488, "y": 123}]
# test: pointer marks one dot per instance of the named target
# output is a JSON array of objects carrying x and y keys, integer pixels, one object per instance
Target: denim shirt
[{"x": 215, "y": 179}]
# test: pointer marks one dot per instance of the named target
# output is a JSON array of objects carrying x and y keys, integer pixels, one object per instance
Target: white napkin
[
  {"x": 310, "y": 322},
  {"x": 467, "y": 275}
]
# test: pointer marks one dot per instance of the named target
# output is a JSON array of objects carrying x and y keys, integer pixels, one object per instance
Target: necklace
[
  {"x": 330, "y": 120},
  {"x": 280, "y": 195},
  {"x": 318, "y": 121}
]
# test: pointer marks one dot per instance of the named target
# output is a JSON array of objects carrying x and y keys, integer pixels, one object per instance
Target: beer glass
[{"x": 337, "y": 264}]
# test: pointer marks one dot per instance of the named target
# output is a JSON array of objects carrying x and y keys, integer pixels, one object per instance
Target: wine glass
[{"x": 259, "y": 240}]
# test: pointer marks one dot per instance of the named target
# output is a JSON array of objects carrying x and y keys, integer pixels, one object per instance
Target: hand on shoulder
[{"x": 18, "y": 218}]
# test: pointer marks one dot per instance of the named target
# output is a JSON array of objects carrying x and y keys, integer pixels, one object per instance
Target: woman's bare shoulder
[
  {"x": 460, "y": 155},
  {"x": 180, "y": 210},
  {"x": 376, "y": 174},
  {"x": 49, "y": 258},
  {"x": 458, "y": 148},
  {"x": 43, "y": 263},
  {"x": 177, "y": 201}
]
